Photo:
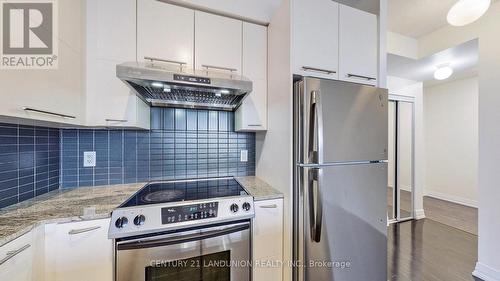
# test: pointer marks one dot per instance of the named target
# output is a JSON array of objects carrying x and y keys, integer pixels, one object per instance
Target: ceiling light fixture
[
  {"x": 443, "y": 72},
  {"x": 465, "y": 12}
]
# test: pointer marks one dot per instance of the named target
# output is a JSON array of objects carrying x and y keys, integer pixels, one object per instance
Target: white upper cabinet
[
  {"x": 111, "y": 40},
  {"x": 165, "y": 31},
  {"x": 315, "y": 35},
  {"x": 217, "y": 42},
  {"x": 358, "y": 46},
  {"x": 58, "y": 92},
  {"x": 252, "y": 114}
]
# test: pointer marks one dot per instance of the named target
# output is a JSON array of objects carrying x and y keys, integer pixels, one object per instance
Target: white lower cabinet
[
  {"x": 268, "y": 240},
  {"x": 16, "y": 259},
  {"x": 78, "y": 251}
]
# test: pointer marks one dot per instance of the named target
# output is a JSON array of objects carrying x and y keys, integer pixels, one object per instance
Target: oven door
[{"x": 220, "y": 253}]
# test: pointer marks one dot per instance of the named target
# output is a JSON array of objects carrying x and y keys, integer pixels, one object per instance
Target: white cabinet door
[
  {"x": 358, "y": 46},
  {"x": 110, "y": 102},
  {"x": 268, "y": 238},
  {"x": 111, "y": 40},
  {"x": 165, "y": 31},
  {"x": 58, "y": 91},
  {"x": 315, "y": 30},
  {"x": 17, "y": 257},
  {"x": 79, "y": 251},
  {"x": 217, "y": 42},
  {"x": 252, "y": 114}
]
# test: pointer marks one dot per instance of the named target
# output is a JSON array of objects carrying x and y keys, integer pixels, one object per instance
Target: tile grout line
[
  {"x": 123, "y": 156},
  {"x": 78, "y": 157},
  {"x": 93, "y": 149},
  {"x": 108, "y": 151},
  {"x": 34, "y": 161},
  {"x": 18, "y": 164}
]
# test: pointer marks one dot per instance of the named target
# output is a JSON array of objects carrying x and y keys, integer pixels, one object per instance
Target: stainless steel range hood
[{"x": 169, "y": 83}]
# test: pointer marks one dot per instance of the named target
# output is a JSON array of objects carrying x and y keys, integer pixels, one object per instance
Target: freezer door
[
  {"x": 344, "y": 223},
  {"x": 340, "y": 122}
]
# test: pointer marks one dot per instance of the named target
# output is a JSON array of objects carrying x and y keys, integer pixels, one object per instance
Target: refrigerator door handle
[
  {"x": 315, "y": 204},
  {"x": 315, "y": 142}
]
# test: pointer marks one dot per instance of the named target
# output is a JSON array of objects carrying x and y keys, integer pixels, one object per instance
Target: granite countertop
[
  {"x": 62, "y": 205},
  {"x": 88, "y": 203},
  {"x": 259, "y": 189}
]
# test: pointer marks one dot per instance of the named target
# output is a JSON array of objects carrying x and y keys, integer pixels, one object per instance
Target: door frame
[{"x": 396, "y": 192}]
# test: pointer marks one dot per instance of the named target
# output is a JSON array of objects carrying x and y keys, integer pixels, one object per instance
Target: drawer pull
[
  {"x": 349, "y": 75},
  {"x": 180, "y": 63},
  {"x": 327, "y": 71},
  {"x": 273, "y": 206},
  {"x": 83, "y": 230},
  {"x": 254, "y": 125},
  {"x": 11, "y": 254},
  {"x": 117, "y": 120},
  {"x": 30, "y": 109},
  {"x": 219, "y": 67}
]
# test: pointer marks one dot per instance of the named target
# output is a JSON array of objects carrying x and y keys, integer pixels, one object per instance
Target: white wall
[
  {"x": 274, "y": 148},
  {"x": 486, "y": 29},
  {"x": 401, "y": 45},
  {"x": 405, "y": 87},
  {"x": 451, "y": 141}
]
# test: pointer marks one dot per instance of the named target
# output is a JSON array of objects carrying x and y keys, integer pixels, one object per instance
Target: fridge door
[
  {"x": 343, "y": 223},
  {"x": 340, "y": 122}
]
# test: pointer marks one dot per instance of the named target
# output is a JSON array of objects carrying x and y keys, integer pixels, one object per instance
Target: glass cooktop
[{"x": 176, "y": 191}]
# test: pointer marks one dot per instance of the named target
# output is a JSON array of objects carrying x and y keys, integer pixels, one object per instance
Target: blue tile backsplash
[
  {"x": 29, "y": 162},
  {"x": 182, "y": 143}
]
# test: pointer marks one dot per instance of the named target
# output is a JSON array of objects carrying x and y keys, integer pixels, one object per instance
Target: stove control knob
[
  {"x": 246, "y": 206},
  {"x": 139, "y": 220},
  {"x": 234, "y": 208},
  {"x": 121, "y": 222}
]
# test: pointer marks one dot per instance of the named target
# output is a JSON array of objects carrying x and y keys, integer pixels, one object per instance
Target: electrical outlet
[
  {"x": 244, "y": 155},
  {"x": 89, "y": 158}
]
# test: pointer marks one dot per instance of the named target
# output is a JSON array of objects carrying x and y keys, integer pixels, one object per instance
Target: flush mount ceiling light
[
  {"x": 467, "y": 11},
  {"x": 443, "y": 72}
]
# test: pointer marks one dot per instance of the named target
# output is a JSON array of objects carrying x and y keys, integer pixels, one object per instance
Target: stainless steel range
[{"x": 184, "y": 230}]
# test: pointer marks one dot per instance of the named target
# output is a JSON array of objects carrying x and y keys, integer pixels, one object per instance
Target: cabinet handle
[
  {"x": 219, "y": 67},
  {"x": 11, "y": 254},
  {"x": 25, "y": 108},
  {"x": 308, "y": 68},
  {"x": 254, "y": 125},
  {"x": 180, "y": 63},
  {"x": 117, "y": 120},
  {"x": 82, "y": 230},
  {"x": 349, "y": 75},
  {"x": 273, "y": 206}
]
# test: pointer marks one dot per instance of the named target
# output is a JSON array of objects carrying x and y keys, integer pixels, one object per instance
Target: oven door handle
[{"x": 144, "y": 243}]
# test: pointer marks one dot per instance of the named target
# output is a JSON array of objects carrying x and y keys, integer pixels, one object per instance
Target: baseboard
[
  {"x": 453, "y": 199},
  {"x": 486, "y": 273},
  {"x": 419, "y": 214}
]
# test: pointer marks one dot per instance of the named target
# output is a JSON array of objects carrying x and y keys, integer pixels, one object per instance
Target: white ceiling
[
  {"x": 415, "y": 18},
  {"x": 462, "y": 58}
]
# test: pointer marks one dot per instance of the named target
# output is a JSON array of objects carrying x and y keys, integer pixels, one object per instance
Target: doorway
[{"x": 401, "y": 179}]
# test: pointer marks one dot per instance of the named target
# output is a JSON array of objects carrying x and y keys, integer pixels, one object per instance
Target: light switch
[
  {"x": 244, "y": 155},
  {"x": 89, "y": 158}
]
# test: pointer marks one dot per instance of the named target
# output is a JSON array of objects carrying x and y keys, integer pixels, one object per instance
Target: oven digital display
[{"x": 189, "y": 212}]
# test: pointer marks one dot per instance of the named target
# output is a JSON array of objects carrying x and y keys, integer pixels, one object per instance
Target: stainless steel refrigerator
[{"x": 340, "y": 185}]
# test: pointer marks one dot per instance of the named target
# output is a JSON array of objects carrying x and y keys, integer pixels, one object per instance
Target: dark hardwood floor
[{"x": 426, "y": 250}]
